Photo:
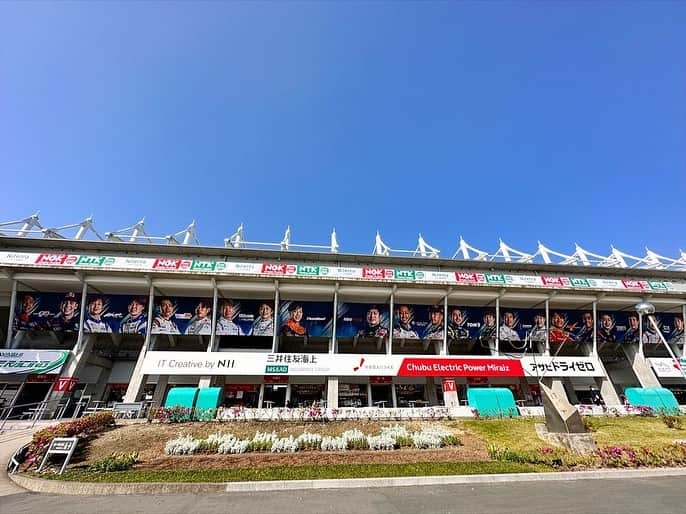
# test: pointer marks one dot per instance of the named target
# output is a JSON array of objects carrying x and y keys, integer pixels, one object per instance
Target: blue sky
[{"x": 564, "y": 122}]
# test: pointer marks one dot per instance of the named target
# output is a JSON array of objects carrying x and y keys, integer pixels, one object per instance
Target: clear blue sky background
[{"x": 564, "y": 122}]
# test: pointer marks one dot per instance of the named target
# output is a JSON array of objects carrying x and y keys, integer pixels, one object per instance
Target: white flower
[
  {"x": 284, "y": 444},
  {"x": 183, "y": 445},
  {"x": 381, "y": 442},
  {"x": 334, "y": 443}
]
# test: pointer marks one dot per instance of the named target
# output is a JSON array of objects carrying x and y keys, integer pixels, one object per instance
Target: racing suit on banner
[
  {"x": 199, "y": 327},
  {"x": 405, "y": 331},
  {"x": 96, "y": 326},
  {"x": 434, "y": 332},
  {"x": 137, "y": 325},
  {"x": 161, "y": 325},
  {"x": 373, "y": 331},
  {"x": 262, "y": 327},
  {"x": 226, "y": 327}
]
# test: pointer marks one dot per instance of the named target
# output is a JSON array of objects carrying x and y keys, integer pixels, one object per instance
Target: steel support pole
[{"x": 13, "y": 306}]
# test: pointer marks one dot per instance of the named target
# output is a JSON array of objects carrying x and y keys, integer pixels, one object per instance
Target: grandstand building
[{"x": 127, "y": 316}]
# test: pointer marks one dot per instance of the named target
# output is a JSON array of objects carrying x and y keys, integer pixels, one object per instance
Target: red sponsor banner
[
  {"x": 449, "y": 386},
  {"x": 41, "y": 379},
  {"x": 278, "y": 269},
  {"x": 380, "y": 273},
  {"x": 466, "y": 277},
  {"x": 418, "y": 367},
  {"x": 636, "y": 284},
  {"x": 171, "y": 264},
  {"x": 555, "y": 281},
  {"x": 380, "y": 380},
  {"x": 55, "y": 259},
  {"x": 66, "y": 384},
  {"x": 276, "y": 379}
]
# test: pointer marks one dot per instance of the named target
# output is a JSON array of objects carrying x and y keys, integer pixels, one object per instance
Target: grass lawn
[
  {"x": 302, "y": 472},
  {"x": 520, "y": 433}
]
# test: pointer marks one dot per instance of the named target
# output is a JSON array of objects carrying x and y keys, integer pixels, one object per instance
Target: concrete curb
[{"x": 92, "y": 488}]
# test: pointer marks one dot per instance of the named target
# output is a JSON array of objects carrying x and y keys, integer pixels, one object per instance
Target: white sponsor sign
[
  {"x": 665, "y": 367},
  {"x": 562, "y": 367},
  {"x": 318, "y": 364},
  {"x": 220, "y": 267},
  {"x": 33, "y": 362}
]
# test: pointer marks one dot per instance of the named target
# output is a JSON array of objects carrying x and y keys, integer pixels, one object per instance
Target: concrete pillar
[
  {"x": 75, "y": 365},
  {"x": 288, "y": 393},
  {"x": 394, "y": 396},
  {"x": 430, "y": 391},
  {"x": 332, "y": 392},
  {"x": 571, "y": 393},
  {"x": 369, "y": 395},
  {"x": 260, "y": 397},
  {"x": 160, "y": 389},
  {"x": 137, "y": 382},
  {"x": 607, "y": 390},
  {"x": 205, "y": 381},
  {"x": 640, "y": 366}
]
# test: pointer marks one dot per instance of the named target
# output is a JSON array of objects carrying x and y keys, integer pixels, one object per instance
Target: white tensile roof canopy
[{"x": 31, "y": 227}]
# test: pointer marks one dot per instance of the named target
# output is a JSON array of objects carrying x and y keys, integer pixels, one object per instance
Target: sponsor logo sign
[
  {"x": 665, "y": 367},
  {"x": 561, "y": 367},
  {"x": 198, "y": 265},
  {"x": 11, "y": 257},
  {"x": 278, "y": 269},
  {"x": 55, "y": 259},
  {"x": 635, "y": 284},
  {"x": 579, "y": 282},
  {"x": 495, "y": 278},
  {"x": 274, "y": 370},
  {"x": 377, "y": 273},
  {"x": 65, "y": 384},
  {"x": 658, "y": 286},
  {"x": 466, "y": 277},
  {"x": 555, "y": 281},
  {"x": 33, "y": 362},
  {"x": 449, "y": 386},
  {"x": 404, "y": 274},
  {"x": 171, "y": 264},
  {"x": 307, "y": 270},
  {"x": 422, "y": 367},
  {"x": 94, "y": 260}
]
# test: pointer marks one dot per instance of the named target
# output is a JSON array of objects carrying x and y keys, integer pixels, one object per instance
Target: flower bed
[
  {"x": 82, "y": 427},
  {"x": 389, "y": 438}
]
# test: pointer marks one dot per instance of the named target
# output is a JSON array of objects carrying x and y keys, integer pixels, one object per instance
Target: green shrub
[
  {"x": 82, "y": 427},
  {"x": 403, "y": 441},
  {"x": 672, "y": 421},
  {"x": 358, "y": 444},
  {"x": 115, "y": 462},
  {"x": 452, "y": 440}
]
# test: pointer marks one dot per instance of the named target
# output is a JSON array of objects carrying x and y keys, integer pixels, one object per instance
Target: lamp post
[{"x": 648, "y": 309}]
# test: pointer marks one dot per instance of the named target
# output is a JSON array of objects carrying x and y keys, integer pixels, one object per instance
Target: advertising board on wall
[
  {"x": 362, "y": 273},
  {"x": 362, "y": 320},
  {"x": 121, "y": 314},
  {"x": 245, "y": 317},
  {"x": 411, "y": 321},
  {"x": 53, "y": 312},
  {"x": 34, "y": 362},
  {"x": 302, "y": 364},
  {"x": 305, "y": 319}
]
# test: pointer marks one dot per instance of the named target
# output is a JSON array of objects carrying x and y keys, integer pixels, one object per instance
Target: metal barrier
[{"x": 36, "y": 411}]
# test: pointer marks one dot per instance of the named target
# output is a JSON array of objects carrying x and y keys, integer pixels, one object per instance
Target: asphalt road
[{"x": 626, "y": 496}]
